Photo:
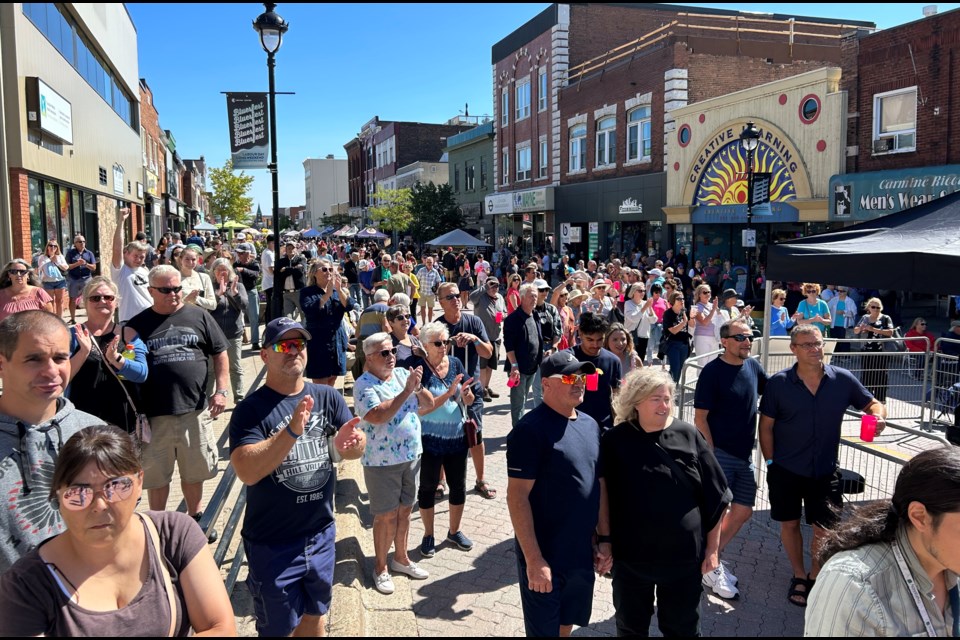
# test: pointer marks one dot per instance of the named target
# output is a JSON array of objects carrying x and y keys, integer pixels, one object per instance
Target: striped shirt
[{"x": 861, "y": 592}]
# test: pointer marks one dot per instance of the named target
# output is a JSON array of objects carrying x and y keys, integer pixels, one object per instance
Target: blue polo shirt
[{"x": 806, "y": 427}]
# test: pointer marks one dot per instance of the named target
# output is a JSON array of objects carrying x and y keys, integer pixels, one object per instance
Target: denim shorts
[
  {"x": 53, "y": 286},
  {"x": 289, "y": 580},
  {"x": 741, "y": 477}
]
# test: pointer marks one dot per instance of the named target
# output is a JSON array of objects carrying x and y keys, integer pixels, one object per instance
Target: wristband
[
  {"x": 769, "y": 461},
  {"x": 515, "y": 365},
  {"x": 291, "y": 433}
]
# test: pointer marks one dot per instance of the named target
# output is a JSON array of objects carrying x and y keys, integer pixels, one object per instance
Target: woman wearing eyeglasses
[
  {"x": 813, "y": 310},
  {"x": 917, "y": 347},
  {"x": 442, "y": 434},
  {"x": 20, "y": 290},
  {"x": 398, "y": 317},
  {"x": 324, "y": 302},
  {"x": 98, "y": 363},
  {"x": 655, "y": 464},
  {"x": 874, "y": 326},
  {"x": 231, "y": 299},
  {"x": 111, "y": 572},
  {"x": 52, "y": 269}
]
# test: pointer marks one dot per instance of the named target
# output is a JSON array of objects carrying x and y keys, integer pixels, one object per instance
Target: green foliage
[
  {"x": 392, "y": 211},
  {"x": 435, "y": 211},
  {"x": 229, "y": 200}
]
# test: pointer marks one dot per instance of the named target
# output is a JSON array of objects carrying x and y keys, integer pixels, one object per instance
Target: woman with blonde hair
[
  {"x": 52, "y": 269},
  {"x": 874, "y": 325},
  {"x": 917, "y": 346},
  {"x": 324, "y": 302},
  {"x": 231, "y": 301},
  {"x": 705, "y": 336},
  {"x": 780, "y": 320},
  {"x": 813, "y": 310},
  {"x": 654, "y": 463},
  {"x": 20, "y": 290}
]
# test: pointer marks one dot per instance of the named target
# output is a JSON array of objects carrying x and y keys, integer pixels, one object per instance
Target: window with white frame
[
  {"x": 895, "y": 121},
  {"x": 504, "y": 107},
  {"x": 578, "y": 147},
  {"x": 523, "y": 162},
  {"x": 544, "y": 158},
  {"x": 505, "y": 168},
  {"x": 543, "y": 90},
  {"x": 469, "y": 184},
  {"x": 523, "y": 100},
  {"x": 606, "y": 141},
  {"x": 638, "y": 134}
]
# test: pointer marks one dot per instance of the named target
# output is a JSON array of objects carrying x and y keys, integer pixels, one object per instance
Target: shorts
[
  {"x": 569, "y": 602},
  {"x": 289, "y": 580},
  {"x": 741, "y": 477},
  {"x": 494, "y": 359},
  {"x": 788, "y": 492},
  {"x": 185, "y": 440},
  {"x": 392, "y": 486},
  {"x": 76, "y": 287},
  {"x": 54, "y": 286},
  {"x": 427, "y": 301}
]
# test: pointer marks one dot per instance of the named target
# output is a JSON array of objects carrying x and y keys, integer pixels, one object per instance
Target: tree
[
  {"x": 435, "y": 211},
  {"x": 229, "y": 200},
  {"x": 392, "y": 211}
]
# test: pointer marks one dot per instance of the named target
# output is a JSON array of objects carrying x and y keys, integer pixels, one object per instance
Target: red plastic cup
[
  {"x": 593, "y": 381},
  {"x": 499, "y": 317},
  {"x": 512, "y": 382},
  {"x": 868, "y": 427}
]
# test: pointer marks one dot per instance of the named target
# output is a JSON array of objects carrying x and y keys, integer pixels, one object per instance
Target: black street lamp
[
  {"x": 271, "y": 28},
  {"x": 749, "y": 140}
]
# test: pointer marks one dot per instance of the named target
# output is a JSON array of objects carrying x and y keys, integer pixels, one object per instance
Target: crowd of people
[{"x": 94, "y": 412}]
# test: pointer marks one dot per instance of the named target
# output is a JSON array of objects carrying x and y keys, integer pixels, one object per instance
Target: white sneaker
[
  {"x": 384, "y": 582},
  {"x": 719, "y": 582},
  {"x": 413, "y": 570},
  {"x": 732, "y": 578}
]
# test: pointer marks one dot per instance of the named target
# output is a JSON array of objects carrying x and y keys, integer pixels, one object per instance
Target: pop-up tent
[
  {"x": 457, "y": 238},
  {"x": 915, "y": 250}
]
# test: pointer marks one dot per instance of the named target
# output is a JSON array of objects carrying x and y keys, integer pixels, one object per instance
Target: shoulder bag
[
  {"x": 471, "y": 429},
  {"x": 143, "y": 433}
]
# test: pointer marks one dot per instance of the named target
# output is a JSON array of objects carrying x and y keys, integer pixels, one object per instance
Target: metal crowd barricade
[{"x": 945, "y": 381}]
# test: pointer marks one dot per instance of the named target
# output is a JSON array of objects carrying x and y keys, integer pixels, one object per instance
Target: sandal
[
  {"x": 441, "y": 488},
  {"x": 795, "y": 592},
  {"x": 485, "y": 490}
]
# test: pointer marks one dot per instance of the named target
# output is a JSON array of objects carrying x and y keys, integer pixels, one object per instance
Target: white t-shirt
[
  {"x": 132, "y": 284},
  {"x": 267, "y": 263}
]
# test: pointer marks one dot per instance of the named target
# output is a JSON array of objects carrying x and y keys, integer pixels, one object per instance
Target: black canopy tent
[{"x": 915, "y": 250}]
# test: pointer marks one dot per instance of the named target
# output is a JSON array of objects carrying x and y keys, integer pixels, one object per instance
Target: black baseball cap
[
  {"x": 564, "y": 363},
  {"x": 277, "y": 327}
]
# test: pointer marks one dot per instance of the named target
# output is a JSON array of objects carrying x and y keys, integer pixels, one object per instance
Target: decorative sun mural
[{"x": 724, "y": 181}]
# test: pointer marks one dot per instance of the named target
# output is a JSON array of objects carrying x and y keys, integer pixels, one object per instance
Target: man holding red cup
[{"x": 490, "y": 307}]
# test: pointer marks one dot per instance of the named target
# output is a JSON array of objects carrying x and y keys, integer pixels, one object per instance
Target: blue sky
[{"x": 348, "y": 63}]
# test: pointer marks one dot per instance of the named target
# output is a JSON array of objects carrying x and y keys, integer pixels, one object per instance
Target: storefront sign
[
  {"x": 54, "y": 115},
  {"x": 630, "y": 207},
  {"x": 249, "y": 138},
  {"x": 569, "y": 234},
  {"x": 593, "y": 245},
  {"x": 866, "y": 196},
  {"x": 533, "y": 200},
  {"x": 118, "y": 179},
  {"x": 737, "y": 214},
  {"x": 152, "y": 182},
  {"x": 498, "y": 203},
  {"x": 594, "y": 227}
]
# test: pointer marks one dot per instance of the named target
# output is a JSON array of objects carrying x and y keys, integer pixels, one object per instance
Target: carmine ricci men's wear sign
[{"x": 249, "y": 137}]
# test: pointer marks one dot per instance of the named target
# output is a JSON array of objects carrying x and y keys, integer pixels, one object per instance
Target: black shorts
[
  {"x": 569, "y": 602},
  {"x": 494, "y": 359},
  {"x": 791, "y": 495}
]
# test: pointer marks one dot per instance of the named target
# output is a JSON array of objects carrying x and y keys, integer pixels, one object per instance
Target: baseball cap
[
  {"x": 655, "y": 272},
  {"x": 277, "y": 327},
  {"x": 727, "y": 294},
  {"x": 564, "y": 363},
  {"x": 290, "y": 242},
  {"x": 540, "y": 283},
  {"x": 954, "y": 324},
  {"x": 245, "y": 247},
  {"x": 492, "y": 282}
]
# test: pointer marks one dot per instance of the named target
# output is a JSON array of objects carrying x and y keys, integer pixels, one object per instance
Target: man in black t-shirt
[
  {"x": 598, "y": 402},
  {"x": 279, "y": 447},
  {"x": 553, "y": 465},
  {"x": 248, "y": 269},
  {"x": 179, "y": 339}
]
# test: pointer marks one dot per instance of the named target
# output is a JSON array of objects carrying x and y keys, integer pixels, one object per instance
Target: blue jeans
[
  {"x": 355, "y": 293},
  {"x": 253, "y": 315},
  {"x": 537, "y": 389},
  {"x": 656, "y": 331},
  {"x": 677, "y": 353},
  {"x": 518, "y": 398}
]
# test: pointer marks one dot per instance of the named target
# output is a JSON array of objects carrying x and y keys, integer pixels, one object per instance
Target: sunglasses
[
  {"x": 441, "y": 343},
  {"x": 325, "y": 269},
  {"x": 741, "y": 338},
  {"x": 874, "y": 307},
  {"x": 386, "y": 352},
  {"x": 544, "y": 290},
  {"x": 575, "y": 378},
  {"x": 167, "y": 290},
  {"x": 922, "y": 324},
  {"x": 18, "y": 272},
  {"x": 104, "y": 298},
  {"x": 287, "y": 346},
  {"x": 79, "y": 497},
  {"x": 452, "y": 296},
  {"x": 402, "y": 317}
]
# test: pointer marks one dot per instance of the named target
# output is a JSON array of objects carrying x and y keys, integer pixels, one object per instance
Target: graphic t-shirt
[
  {"x": 177, "y": 349},
  {"x": 398, "y": 440},
  {"x": 296, "y": 499},
  {"x": 132, "y": 284}
]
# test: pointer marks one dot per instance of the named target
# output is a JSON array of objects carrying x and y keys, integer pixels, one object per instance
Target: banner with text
[{"x": 249, "y": 139}]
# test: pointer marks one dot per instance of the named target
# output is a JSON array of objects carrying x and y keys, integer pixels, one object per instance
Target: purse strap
[
  {"x": 103, "y": 359},
  {"x": 164, "y": 570}
]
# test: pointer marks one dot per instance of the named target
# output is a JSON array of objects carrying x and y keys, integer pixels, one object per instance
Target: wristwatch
[{"x": 220, "y": 392}]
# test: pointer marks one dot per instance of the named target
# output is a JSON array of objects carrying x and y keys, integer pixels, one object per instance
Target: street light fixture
[
  {"x": 271, "y": 28},
  {"x": 749, "y": 141}
]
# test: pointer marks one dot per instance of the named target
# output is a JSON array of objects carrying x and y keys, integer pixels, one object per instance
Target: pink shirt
[
  {"x": 659, "y": 306},
  {"x": 9, "y": 306}
]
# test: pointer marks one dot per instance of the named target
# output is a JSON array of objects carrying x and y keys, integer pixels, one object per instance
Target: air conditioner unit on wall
[{"x": 884, "y": 145}]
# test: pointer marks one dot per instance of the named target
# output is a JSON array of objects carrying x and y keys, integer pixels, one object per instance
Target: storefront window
[
  {"x": 65, "y": 238},
  {"x": 683, "y": 237},
  {"x": 613, "y": 242},
  {"x": 634, "y": 237},
  {"x": 36, "y": 215},
  {"x": 50, "y": 212}
]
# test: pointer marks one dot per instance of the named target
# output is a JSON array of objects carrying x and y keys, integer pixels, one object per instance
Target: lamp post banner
[{"x": 249, "y": 137}]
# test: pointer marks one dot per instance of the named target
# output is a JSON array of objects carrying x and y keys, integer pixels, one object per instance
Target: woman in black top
[
  {"x": 654, "y": 464},
  {"x": 873, "y": 326},
  {"x": 676, "y": 326},
  {"x": 231, "y": 300}
]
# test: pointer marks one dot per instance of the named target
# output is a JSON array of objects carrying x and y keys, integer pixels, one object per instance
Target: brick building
[{"x": 154, "y": 163}]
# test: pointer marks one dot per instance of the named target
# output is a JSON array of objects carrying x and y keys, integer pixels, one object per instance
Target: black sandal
[{"x": 794, "y": 592}]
